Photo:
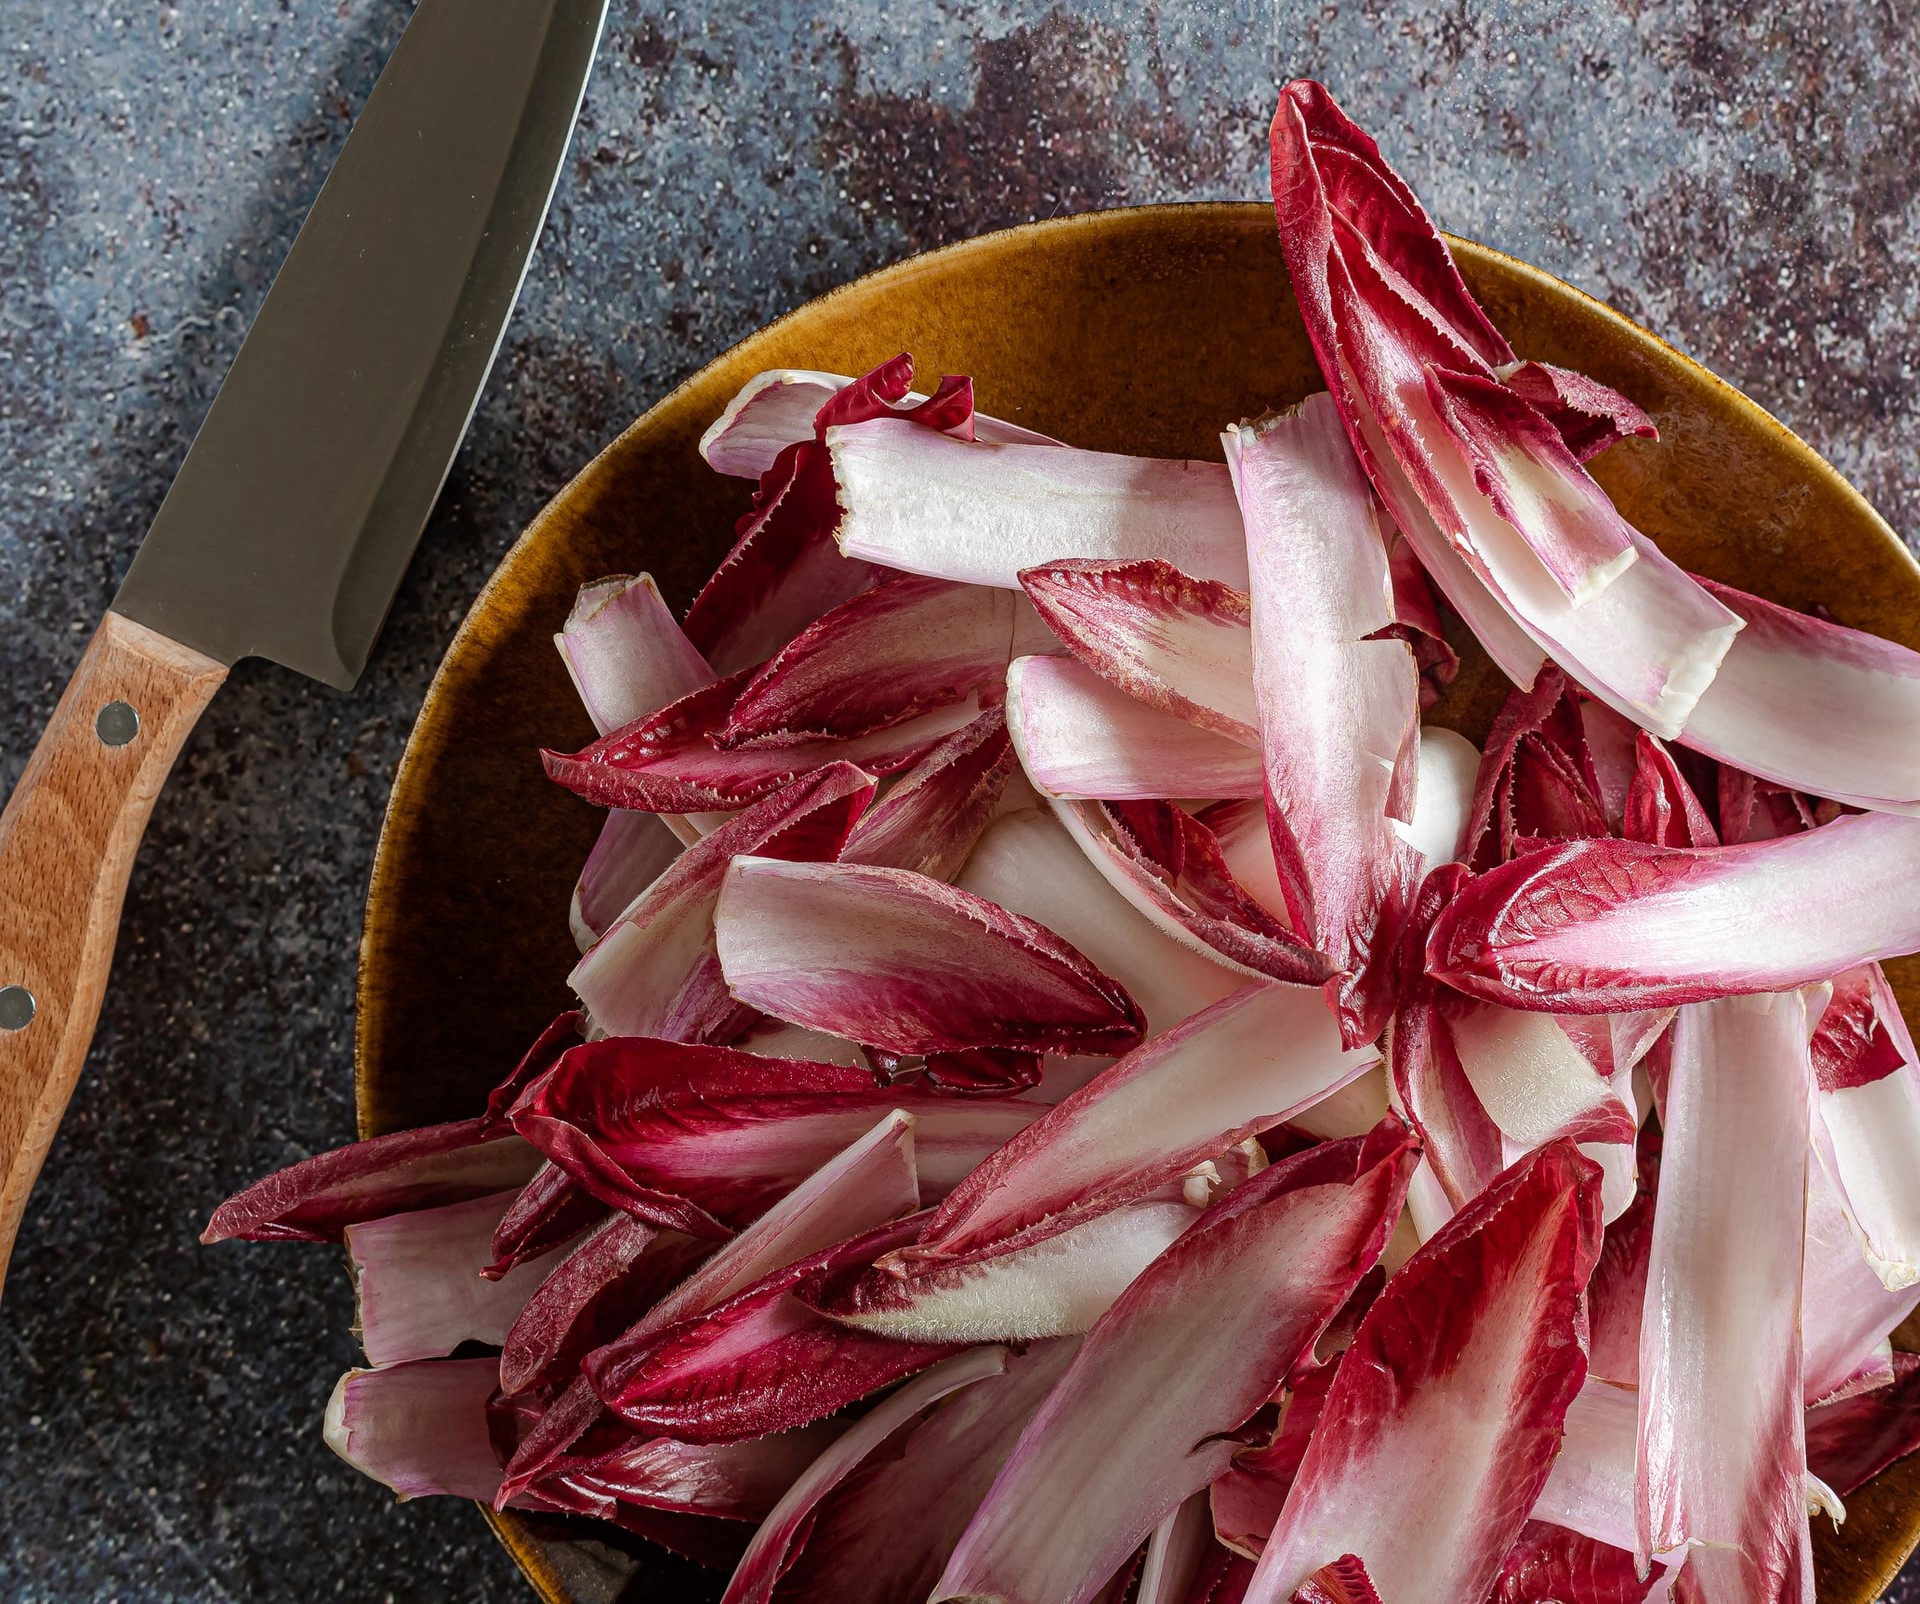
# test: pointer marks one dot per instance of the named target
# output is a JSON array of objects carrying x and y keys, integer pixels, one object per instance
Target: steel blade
[{"x": 303, "y": 497}]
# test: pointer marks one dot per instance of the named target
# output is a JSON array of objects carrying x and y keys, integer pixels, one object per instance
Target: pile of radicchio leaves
[{"x": 1079, "y": 1095}]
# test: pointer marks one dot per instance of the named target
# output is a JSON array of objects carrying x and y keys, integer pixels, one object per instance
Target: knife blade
[{"x": 299, "y": 505}]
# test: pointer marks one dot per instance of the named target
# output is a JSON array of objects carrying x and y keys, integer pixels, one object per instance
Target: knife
[{"x": 300, "y": 503}]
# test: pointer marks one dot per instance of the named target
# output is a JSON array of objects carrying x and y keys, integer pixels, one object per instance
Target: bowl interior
[{"x": 1142, "y": 331}]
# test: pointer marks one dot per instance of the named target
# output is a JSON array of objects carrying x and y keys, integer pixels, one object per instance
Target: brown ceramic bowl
[{"x": 1142, "y": 331}]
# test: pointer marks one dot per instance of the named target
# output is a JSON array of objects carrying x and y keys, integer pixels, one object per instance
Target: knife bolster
[{"x": 68, "y": 837}]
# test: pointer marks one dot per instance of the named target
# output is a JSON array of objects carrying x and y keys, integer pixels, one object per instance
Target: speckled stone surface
[{"x": 1741, "y": 177}]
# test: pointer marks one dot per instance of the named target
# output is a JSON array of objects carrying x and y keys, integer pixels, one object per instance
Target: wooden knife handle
[{"x": 67, "y": 844}]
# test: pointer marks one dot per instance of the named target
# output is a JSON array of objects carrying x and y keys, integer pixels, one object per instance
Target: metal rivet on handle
[
  {"x": 116, "y": 725},
  {"x": 16, "y": 1008}
]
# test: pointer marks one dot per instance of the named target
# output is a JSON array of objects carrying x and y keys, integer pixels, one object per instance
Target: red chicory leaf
[
  {"x": 980, "y": 513},
  {"x": 1602, "y": 926},
  {"x": 1813, "y": 706},
  {"x": 655, "y": 971},
  {"x": 759, "y": 1361},
  {"x": 1242, "y": 1066},
  {"x": 418, "y": 1428},
  {"x": 1144, "y": 1416},
  {"x": 1551, "y": 1565},
  {"x": 907, "y": 963},
  {"x": 1868, "y": 1129},
  {"x": 691, "y": 1137},
  {"x": 1079, "y": 736},
  {"x": 1661, "y": 806},
  {"x": 931, "y": 819},
  {"x": 884, "y": 1531},
  {"x": 784, "y": 570},
  {"x": 1339, "y": 1581},
  {"x": 551, "y": 1210},
  {"x": 1191, "y": 894},
  {"x": 626, "y": 654},
  {"x": 1588, "y": 415},
  {"x": 606, "y": 1284},
  {"x": 776, "y": 409},
  {"x": 1027, "y": 863},
  {"x": 631, "y": 852},
  {"x": 774, "y": 1546},
  {"x": 1179, "y": 644},
  {"x": 668, "y": 762},
  {"x": 568, "y": 1030},
  {"x": 904, "y": 648},
  {"x": 1338, "y": 708},
  {"x": 1441, "y": 1426},
  {"x": 1650, "y": 640},
  {"x": 316, "y": 1199},
  {"x": 1722, "y": 1456},
  {"x": 1852, "y": 1441},
  {"x": 1056, "y": 1285},
  {"x": 418, "y": 1289},
  {"x": 725, "y": 1481}
]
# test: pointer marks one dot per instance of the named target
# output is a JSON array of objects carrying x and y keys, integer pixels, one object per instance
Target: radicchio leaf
[
  {"x": 981, "y": 513},
  {"x": 1869, "y": 1118},
  {"x": 551, "y": 1210},
  {"x": 758, "y": 1362},
  {"x": 784, "y": 570},
  {"x": 655, "y": 971},
  {"x": 1851, "y": 1442},
  {"x": 1551, "y": 1565},
  {"x": 700, "y": 1139},
  {"x": 1441, "y": 1426},
  {"x": 606, "y": 1284},
  {"x": 1182, "y": 645},
  {"x": 1387, "y": 316},
  {"x": 316, "y": 1199},
  {"x": 1028, "y": 864},
  {"x": 1588, "y": 415},
  {"x": 419, "y": 1293},
  {"x": 778, "y": 408},
  {"x": 1722, "y": 1456},
  {"x": 907, "y": 963},
  {"x": 667, "y": 762},
  {"x": 1601, "y": 926},
  {"x": 1145, "y": 1415},
  {"x": 1339, "y": 1581},
  {"x": 1338, "y": 706},
  {"x": 785, "y": 1529},
  {"x": 931, "y": 819},
  {"x": 1079, "y": 736},
  {"x": 904, "y": 648},
  {"x": 1661, "y": 806},
  {"x": 631, "y": 852},
  {"x": 418, "y": 1428},
  {"x": 1242, "y": 1066},
  {"x": 626, "y": 654},
  {"x": 1813, "y": 706},
  {"x": 1056, "y": 1285},
  {"x": 1182, "y": 883},
  {"x": 883, "y": 1532}
]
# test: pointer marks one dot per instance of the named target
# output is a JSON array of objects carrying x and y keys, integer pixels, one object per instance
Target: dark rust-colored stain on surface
[
  {"x": 1050, "y": 127},
  {"x": 1818, "y": 222}
]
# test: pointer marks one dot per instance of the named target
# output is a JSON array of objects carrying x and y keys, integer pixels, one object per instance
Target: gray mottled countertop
[{"x": 1740, "y": 177}]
